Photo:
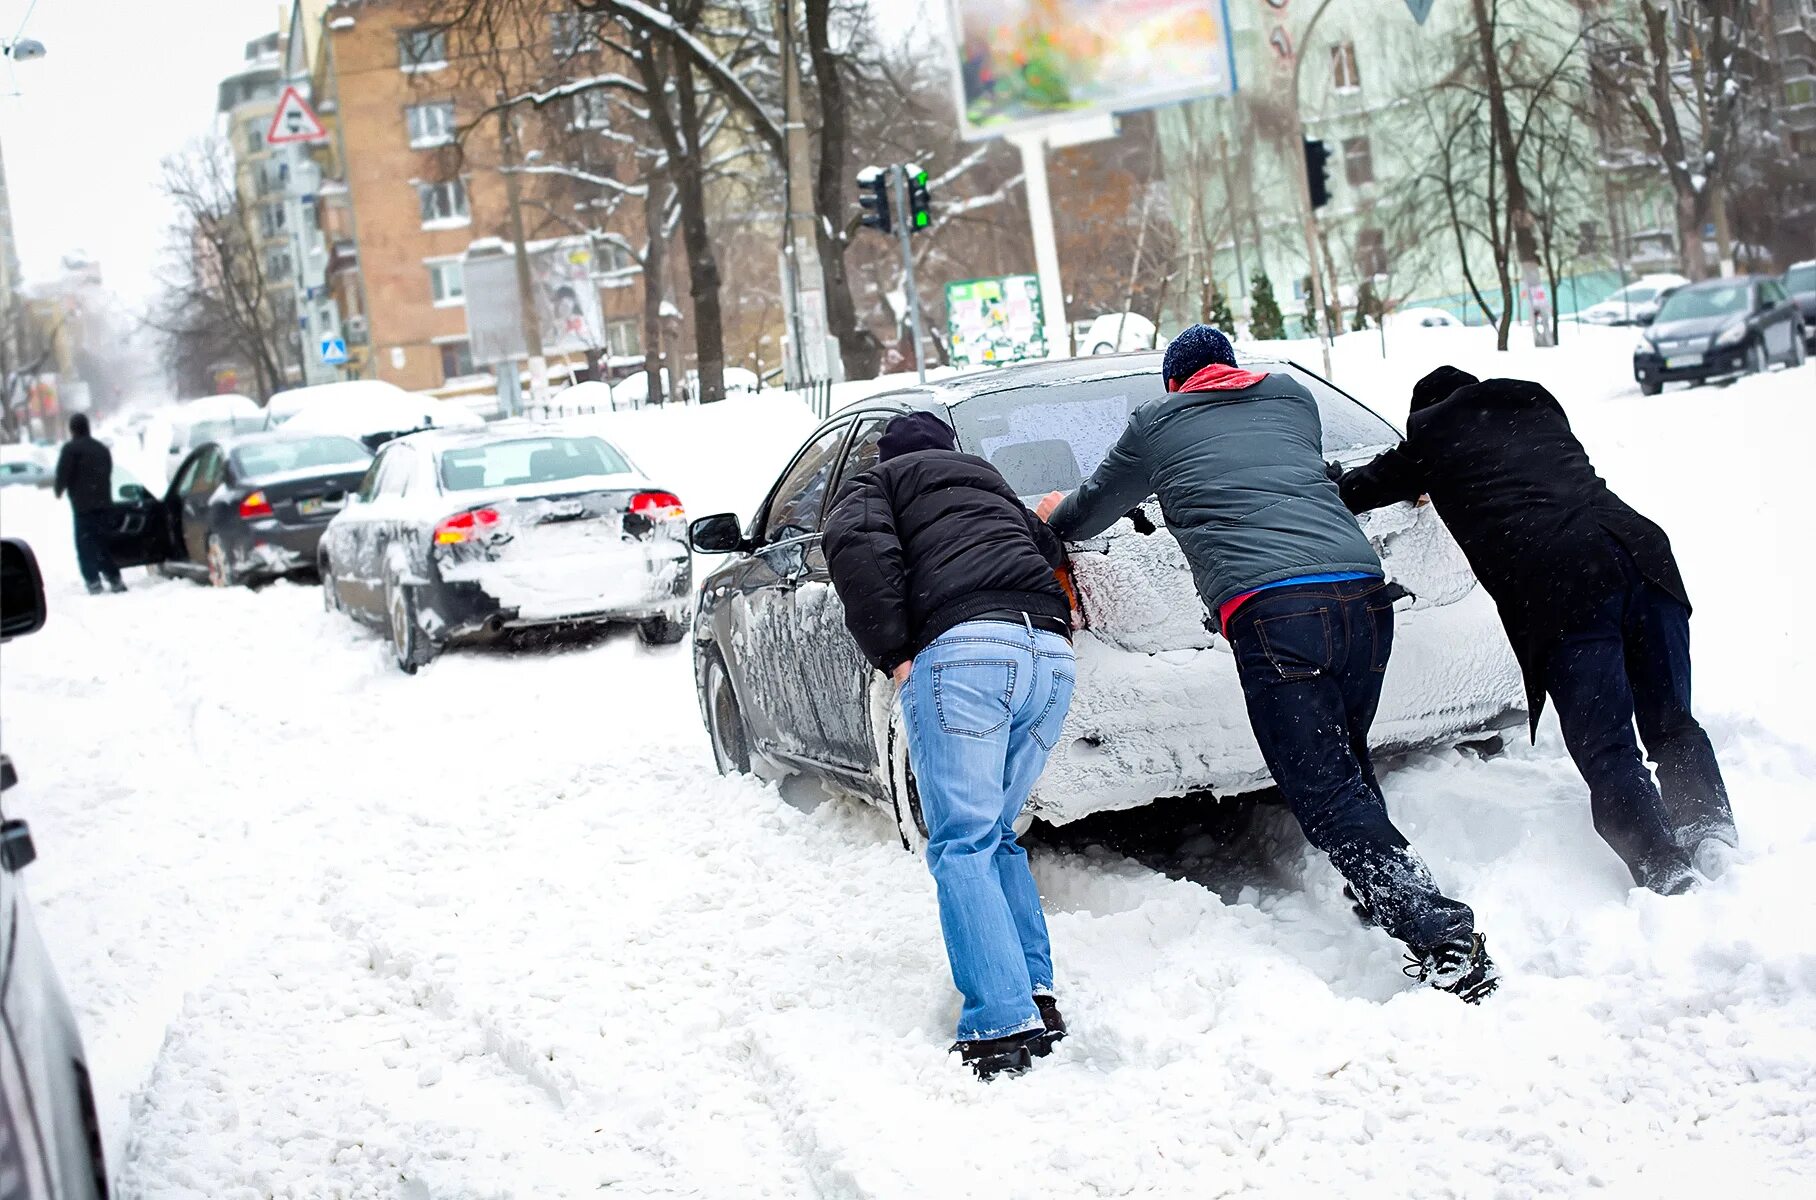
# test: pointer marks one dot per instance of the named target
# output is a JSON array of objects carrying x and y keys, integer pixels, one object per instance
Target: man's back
[{"x": 85, "y": 472}]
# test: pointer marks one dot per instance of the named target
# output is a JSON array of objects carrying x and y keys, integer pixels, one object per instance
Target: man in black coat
[
  {"x": 85, "y": 471},
  {"x": 1591, "y": 598},
  {"x": 948, "y": 584}
]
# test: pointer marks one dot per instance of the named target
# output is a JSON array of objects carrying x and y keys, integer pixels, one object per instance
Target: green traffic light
[{"x": 920, "y": 220}]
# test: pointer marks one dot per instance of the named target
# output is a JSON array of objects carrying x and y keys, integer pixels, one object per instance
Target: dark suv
[{"x": 1717, "y": 329}]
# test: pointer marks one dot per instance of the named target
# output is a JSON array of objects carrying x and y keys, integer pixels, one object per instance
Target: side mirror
[
  {"x": 717, "y": 534},
  {"x": 22, "y": 606},
  {"x": 134, "y": 493}
]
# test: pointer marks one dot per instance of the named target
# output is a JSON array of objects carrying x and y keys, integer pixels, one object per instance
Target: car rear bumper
[
  {"x": 274, "y": 548},
  {"x": 1145, "y": 727},
  {"x": 652, "y": 579}
]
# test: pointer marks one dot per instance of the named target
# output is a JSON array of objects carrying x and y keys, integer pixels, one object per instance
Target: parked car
[
  {"x": 1719, "y": 328},
  {"x": 1158, "y": 711},
  {"x": 463, "y": 535},
  {"x": 50, "y": 1139},
  {"x": 1110, "y": 333},
  {"x": 1423, "y": 318},
  {"x": 241, "y": 510},
  {"x": 370, "y": 410},
  {"x": 1800, "y": 282},
  {"x": 194, "y": 423},
  {"x": 1635, "y": 304},
  {"x": 25, "y": 465}
]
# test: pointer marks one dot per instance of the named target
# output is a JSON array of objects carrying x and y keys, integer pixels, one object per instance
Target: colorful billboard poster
[
  {"x": 1023, "y": 64},
  {"x": 567, "y": 300},
  {"x": 995, "y": 321}
]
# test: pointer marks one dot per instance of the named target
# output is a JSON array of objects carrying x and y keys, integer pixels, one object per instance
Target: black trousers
[
  {"x": 1312, "y": 658},
  {"x": 93, "y": 555},
  {"x": 1628, "y": 667}
]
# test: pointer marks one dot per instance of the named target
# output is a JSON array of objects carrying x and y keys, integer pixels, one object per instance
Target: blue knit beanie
[{"x": 1195, "y": 349}]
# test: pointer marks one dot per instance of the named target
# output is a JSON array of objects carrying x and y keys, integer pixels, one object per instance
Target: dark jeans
[
  {"x": 1312, "y": 658},
  {"x": 93, "y": 556},
  {"x": 1630, "y": 664}
]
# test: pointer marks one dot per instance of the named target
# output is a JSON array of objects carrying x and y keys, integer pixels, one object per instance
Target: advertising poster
[
  {"x": 1027, "y": 63},
  {"x": 567, "y": 302},
  {"x": 995, "y": 321}
]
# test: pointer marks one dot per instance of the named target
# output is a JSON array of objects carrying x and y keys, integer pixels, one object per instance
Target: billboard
[
  {"x": 994, "y": 321},
  {"x": 567, "y": 300},
  {"x": 1023, "y": 64}
]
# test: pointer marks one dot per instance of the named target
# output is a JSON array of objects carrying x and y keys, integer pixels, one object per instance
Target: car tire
[
  {"x": 904, "y": 791},
  {"x": 409, "y": 647},
  {"x": 1798, "y": 353},
  {"x": 1651, "y": 387},
  {"x": 661, "y": 631},
  {"x": 220, "y": 568},
  {"x": 1759, "y": 362},
  {"x": 331, "y": 601},
  {"x": 724, "y": 720}
]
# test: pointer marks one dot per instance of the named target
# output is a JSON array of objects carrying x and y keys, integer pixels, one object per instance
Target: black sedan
[
  {"x": 465, "y": 535},
  {"x": 1718, "y": 329}
]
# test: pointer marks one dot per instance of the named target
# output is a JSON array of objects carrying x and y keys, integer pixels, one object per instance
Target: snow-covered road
[{"x": 500, "y": 930}]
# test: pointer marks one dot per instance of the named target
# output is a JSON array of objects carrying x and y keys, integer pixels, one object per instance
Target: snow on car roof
[{"x": 454, "y": 438}]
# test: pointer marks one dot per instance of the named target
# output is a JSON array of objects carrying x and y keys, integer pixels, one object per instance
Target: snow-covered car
[
  {"x": 463, "y": 535},
  {"x": 1158, "y": 711},
  {"x": 370, "y": 410},
  {"x": 1635, "y": 304},
  {"x": 193, "y": 423},
  {"x": 1718, "y": 329},
  {"x": 1111, "y": 333},
  {"x": 1423, "y": 318},
  {"x": 50, "y": 1139},
  {"x": 23, "y": 465}
]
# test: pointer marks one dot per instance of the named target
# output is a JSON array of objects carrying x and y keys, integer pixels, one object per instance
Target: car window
[
  {"x": 276, "y": 457},
  {"x": 211, "y": 465},
  {"x": 396, "y": 475},
  {"x": 1771, "y": 292},
  {"x": 1639, "y": 293},
  {"x": 795, "y": 511},
  {"x": 368, "y": 487},
  {"x": 1713, "y": 300},
  {"x": 866, "y": 447},
  {"x": 186, "y": 474},
  {"x": 528, "y": 461},
  {"x": 1801, "y": 279},
  {"x": 126, "y": 486}
]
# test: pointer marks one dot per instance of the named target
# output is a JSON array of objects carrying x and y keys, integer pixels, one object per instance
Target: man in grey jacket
[{"x": 1237, "y": 461}]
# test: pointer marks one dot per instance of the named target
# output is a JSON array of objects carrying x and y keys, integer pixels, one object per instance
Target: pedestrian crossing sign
[{"x": 334, "y": 351}]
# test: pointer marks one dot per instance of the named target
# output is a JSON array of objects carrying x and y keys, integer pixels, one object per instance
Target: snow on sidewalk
[{"x": 500, "y": 930}]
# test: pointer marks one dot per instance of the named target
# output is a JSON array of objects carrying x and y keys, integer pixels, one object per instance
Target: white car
[
  {"x": 1635, "y": 304},
  {"x": 1423, "y": 318},
  {"x": 1158, "y": 710},
  {"x": 25, "y": 464},
  {"x": 1114, "y": 333}
]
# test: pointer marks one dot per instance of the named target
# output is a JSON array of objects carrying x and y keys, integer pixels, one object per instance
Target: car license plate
[
  {"x": 1679, "y": 361},
  {"x": 314, "y": 506}
]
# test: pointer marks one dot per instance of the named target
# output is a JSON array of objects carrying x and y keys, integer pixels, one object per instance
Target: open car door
[{"x": 139, "y": 524}]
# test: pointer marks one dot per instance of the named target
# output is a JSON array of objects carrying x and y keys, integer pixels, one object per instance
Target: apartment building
[
  {"x": 412, "y": 196},
  {"x": 245, "y": 103}
]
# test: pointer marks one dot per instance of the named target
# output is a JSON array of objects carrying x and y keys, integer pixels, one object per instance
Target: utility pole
[
  {"x": 802, "y": 276},
  {"x": 526, "y": 288},
  {"x": 899, "y": 177}
]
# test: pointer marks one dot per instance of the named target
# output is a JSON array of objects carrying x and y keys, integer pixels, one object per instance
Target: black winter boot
[
  {"x": 1044, "y": 1041},
  {"x": 990, "y": 1057},
  {"x": 1461, "y": 968}
]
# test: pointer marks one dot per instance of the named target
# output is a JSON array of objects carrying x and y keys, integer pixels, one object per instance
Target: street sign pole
[
  {"x": 898, "y": 176},
  {"x": 1033, "y": 147}
]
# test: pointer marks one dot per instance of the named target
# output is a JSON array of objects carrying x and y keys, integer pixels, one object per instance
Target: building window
[
  {"x": 430, "y": 124},
  {"x": 1344, "y": 75},
  {"x": 1371, "y": 252},
  {"x": 571, "y": 33},
  {"x": 277, "y": 265},
  {"x": 447, "y": 282},
  {"x": 444, "y": 204},
  {"x": 1799, "y": 92},
  {"x": 1358, "y": 161},
  {"x": 592, "y": 110},
  {"x": 271, "y": 220},
  {"x": 614, "y": 258},
  {"x": 422, "y": 49},
  {"x": 456, "y": 360},
  {"x": 621, "y": 340},
  {"x": 255, "y": 137}
]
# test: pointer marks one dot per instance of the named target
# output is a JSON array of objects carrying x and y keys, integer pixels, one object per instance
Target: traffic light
[
  {"x": 873, "y": 198},
  {"x": 1317, "y": 178},
  {"x": 920, "y": 204}
]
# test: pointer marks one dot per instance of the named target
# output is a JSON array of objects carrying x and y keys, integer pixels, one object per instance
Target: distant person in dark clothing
[
  {"x": 1591, "y": 598},
  {"x": 1236, "y": 458},
  {"x": 948, "y": 584},
  {"x": 85, "y": 472}
]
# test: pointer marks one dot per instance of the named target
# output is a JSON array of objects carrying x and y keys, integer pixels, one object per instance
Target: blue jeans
[
  {"x": 983, "y": 707},
  {"x": 1312, "y": 658},
  {"x": 1631, "y": 665}
]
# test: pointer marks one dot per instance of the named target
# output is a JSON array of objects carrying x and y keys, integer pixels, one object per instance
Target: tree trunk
[
  {"x": 859, "y": 349},
  {"x": 1519, "y": 210},
  {"x": 655, "y": 270}
]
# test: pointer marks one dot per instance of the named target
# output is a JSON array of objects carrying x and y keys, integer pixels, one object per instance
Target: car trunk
[
  {"x": 298, "y": 498},
  {"x": 547, "y": 558}
]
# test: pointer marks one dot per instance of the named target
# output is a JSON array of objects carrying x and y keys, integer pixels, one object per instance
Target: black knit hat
[
  {"x": 1439, "y": 385},
  {"x": 1195, "y": 349},
  {"x": 915, "y": 431}
]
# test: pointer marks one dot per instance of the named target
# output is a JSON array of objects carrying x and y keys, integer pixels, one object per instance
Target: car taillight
[
  {"x": 464, "y": 527},
  {"x": 255, "y": 505},
  {"x": 657, "y": 504}
]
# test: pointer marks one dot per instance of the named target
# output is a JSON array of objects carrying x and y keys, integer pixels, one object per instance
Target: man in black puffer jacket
[
  {"x": 85, "y": 472},
  {"x": 949, "y": 585},
  {"x": 1592, "y": 600}
]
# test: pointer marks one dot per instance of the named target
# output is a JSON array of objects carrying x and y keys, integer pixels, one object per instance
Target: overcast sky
[{"x": 125, "y": 83}]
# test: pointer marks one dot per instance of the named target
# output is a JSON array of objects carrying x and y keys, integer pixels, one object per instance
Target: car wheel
[
  {"x": 331, "y": 601},
  {"x": 904, "y": 791},
  {"x": 724, "y": 723},
  {"x": 1651, "y": 387},
  {"x": 1758, "y": 362},
  {"x": 1798, "y": 353},
  {"x": 661, "y": 631},
  {"x": 220, "y": 570},
  {"x": 408, "y": 645}
]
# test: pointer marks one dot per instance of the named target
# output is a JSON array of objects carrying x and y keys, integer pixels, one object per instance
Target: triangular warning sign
[
  {"x": 294, "y": 121},
  {"x": 1420, "y": 9}
]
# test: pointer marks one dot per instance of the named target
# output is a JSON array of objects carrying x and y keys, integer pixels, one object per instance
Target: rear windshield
[
  {"x": 275, "y": 458},
  {"x": 1717, "y": 301},
  {"x": 1801, "y": 279},
  {"x": 1051, "y": 438},
  {"x": 528, "y": 460}
]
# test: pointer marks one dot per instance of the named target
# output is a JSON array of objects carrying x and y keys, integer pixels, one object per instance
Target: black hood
[
  {"x": 1439, "y": 385},
  {"x": 915, "y": 431}
]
